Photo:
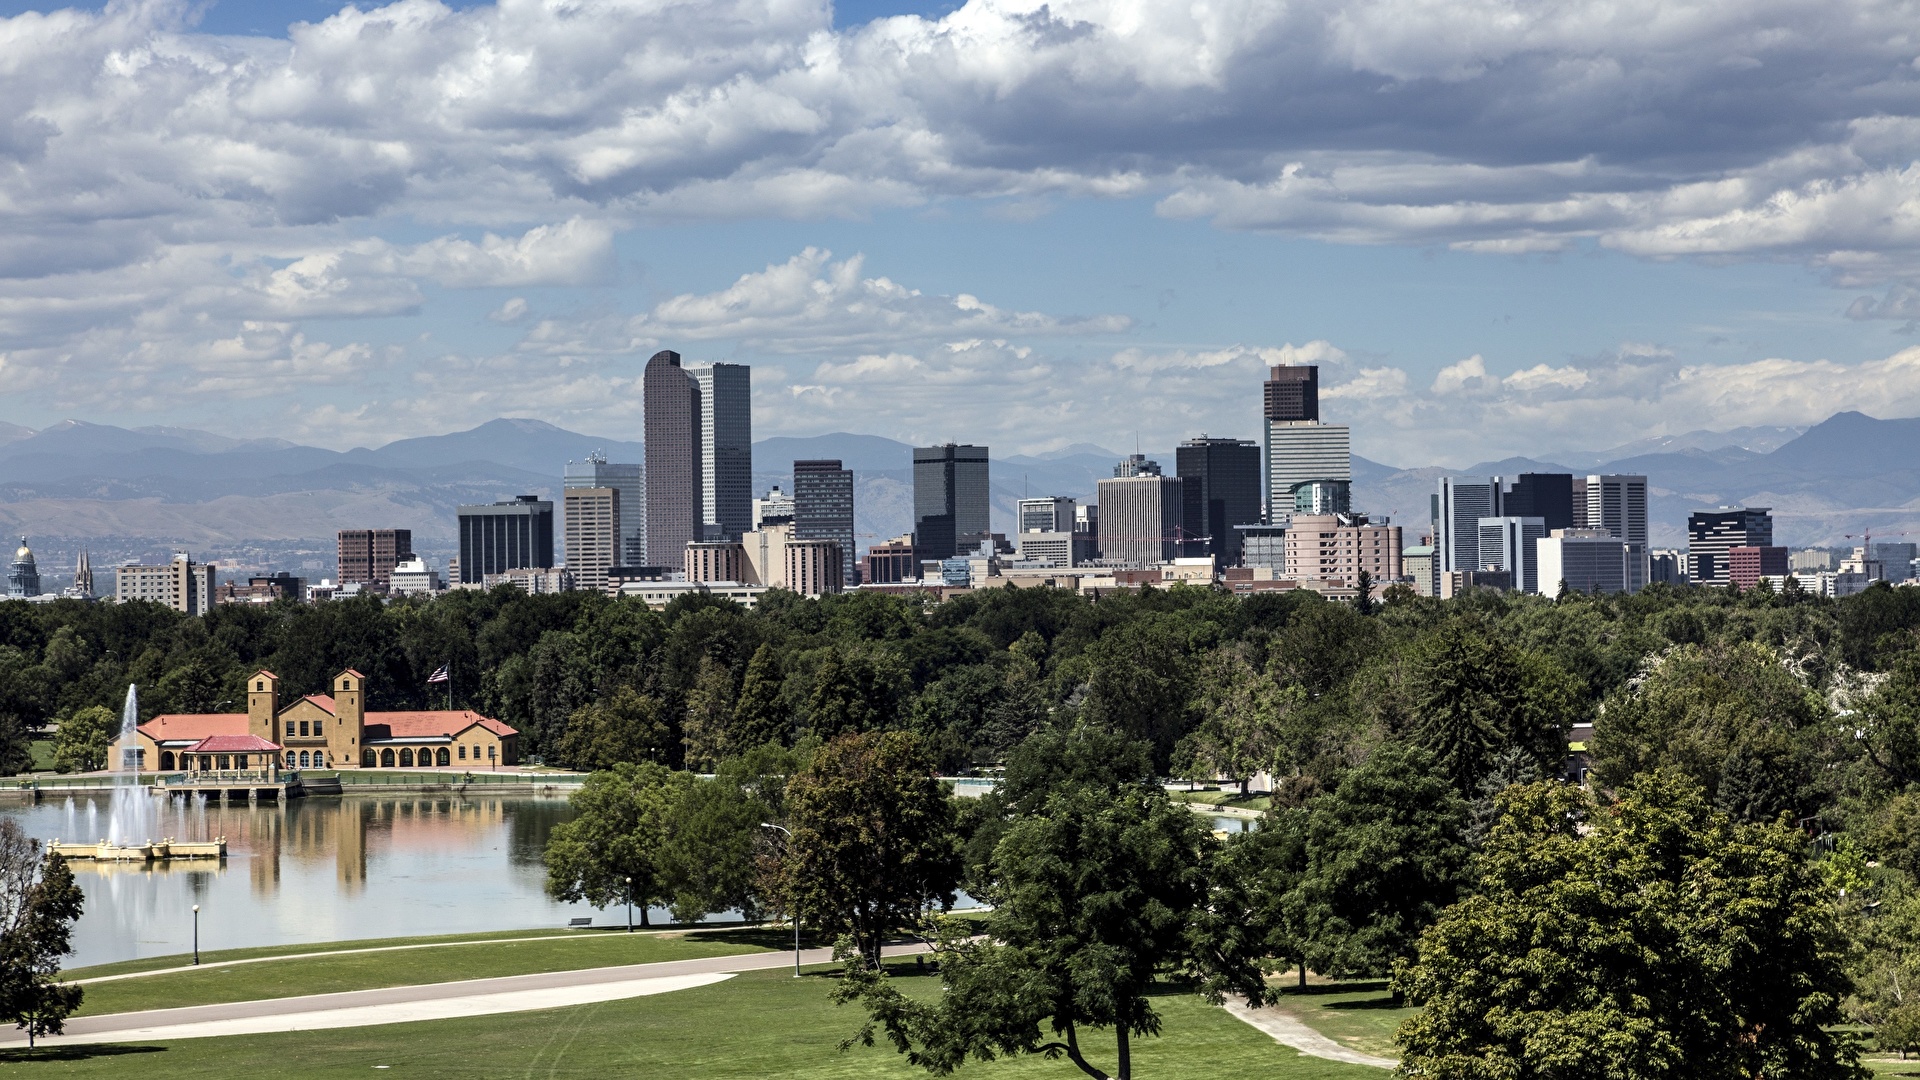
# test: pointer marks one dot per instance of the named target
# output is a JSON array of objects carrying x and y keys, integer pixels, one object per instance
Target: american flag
[{"x": 440, "y": 674}]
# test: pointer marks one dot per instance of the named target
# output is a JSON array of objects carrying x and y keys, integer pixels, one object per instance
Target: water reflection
[{"x": 316, "y": 870}]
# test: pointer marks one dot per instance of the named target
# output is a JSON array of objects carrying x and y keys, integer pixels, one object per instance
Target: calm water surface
[{"x": 315, "y": 870}]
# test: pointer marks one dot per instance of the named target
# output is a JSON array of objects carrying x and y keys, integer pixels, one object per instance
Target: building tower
[
  {"x": 1140, "y": 517},
  {"x": 673, "y": 459},
  {"x": 24, "y": 579},
  {"x": 1221, "y": 486},
  {"x": 823, "y": 508},
  {"x": 368, "y": 556},
  {"x": 631, "y": 481},
  {"x": 1711, "y": 534},
  {"x": 1618, "y": 504},
  {"x": 1300, "y": 449},
  {"x": 82, "y": 577},
  {"x": 593, "y": 535},
  {"x": 724, "y": 407},
  {"x": 516, "y": 534},
  {"x": 1547, "y": 496},
  {"x": 950, "y": 508}
]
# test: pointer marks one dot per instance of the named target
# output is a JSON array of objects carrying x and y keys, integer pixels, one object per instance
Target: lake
[{"x": 325, "y": 869}]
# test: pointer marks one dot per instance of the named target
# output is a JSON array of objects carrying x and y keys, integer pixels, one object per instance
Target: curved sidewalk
[
  {"x": 1289, "y": 1030},
  {"x": 432, "y": 1001}
]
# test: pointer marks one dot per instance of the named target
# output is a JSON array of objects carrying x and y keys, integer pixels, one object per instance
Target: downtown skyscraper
[
  {"x": 1299, "y": 448},
  {"x": 699, "y": 475},
  {"x": 951, "y": 512}
]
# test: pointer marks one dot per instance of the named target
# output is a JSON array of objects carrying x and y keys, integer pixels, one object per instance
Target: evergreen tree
[
  {"x": 760, "y": 714},
  {"x": 709, "y": 730}
]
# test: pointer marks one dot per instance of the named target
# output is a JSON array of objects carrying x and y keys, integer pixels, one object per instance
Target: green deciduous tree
[
  {"x": 1241, "y": 712},
  {"x": 874, "y": 842},
  {"x": 625, "y": 726},
  {"x": 760, "y": 713},
  {"x": 1473, "y": 697},
  {"x": 1096, "y": 898},
  {"x": 708, "y": 732},
  {"x": 1657, "y": 937},
  {"x": 84, "y": 739},
  {"x": 610, "y": 852},
  {"x": 39, "y": 903}
]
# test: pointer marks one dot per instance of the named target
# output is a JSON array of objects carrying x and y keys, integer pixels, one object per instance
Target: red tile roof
[
  {"x": 415, "y": 725},
  {"x": 325, "y": 701},
  {"x": 172, "y": 727},
  {"x": 353, "y": 673},
  {"x": 233, "y": 744},
  {"x": 268, "y": 674}
]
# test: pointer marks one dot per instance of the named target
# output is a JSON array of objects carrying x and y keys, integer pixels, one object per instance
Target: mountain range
[{"x": 134, "y": 492}]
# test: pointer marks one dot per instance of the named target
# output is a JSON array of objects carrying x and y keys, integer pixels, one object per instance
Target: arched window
[
  {"x": 368, "y": 758},
  {"x": 166, "y": 761},
  {"x": 441, "y": 758},
  {"x": 386, "y": 758},
  {"x": 293, "y": 760},
  {"x": 406, "y": 758},
  {"x": 303, "y": 758}
]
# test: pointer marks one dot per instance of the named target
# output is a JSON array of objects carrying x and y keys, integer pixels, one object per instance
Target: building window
[
  {"x": 303, "y": 758},
  {"x": 440, "y": 757},
  {"x": 386, "y": 759},
  {"x": 293, "y": 760},
  {"x": 463, "y": 751},
  {"x": 406, "y": 758},
  {"x": 289, "y": 729},
  {"x": 492, "y": 750},
  {"x": 303, "y": 729},
  {"x": 225, "y": 762}
]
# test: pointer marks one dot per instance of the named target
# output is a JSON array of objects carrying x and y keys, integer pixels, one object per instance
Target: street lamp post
[
  {"x": 196, "y": 934},
  {"x": 796, "y": 911},
  {"x": 629, "y": 905}
]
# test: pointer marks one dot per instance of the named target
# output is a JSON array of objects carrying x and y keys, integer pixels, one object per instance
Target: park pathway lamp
[
  {"x": 629, "y": 905},
  {"x": 196, "y": 935},
  {"x": 796, "y": 911}
]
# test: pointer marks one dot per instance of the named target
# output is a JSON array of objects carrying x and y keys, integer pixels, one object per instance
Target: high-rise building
[
  {"x": 368, "y": 556},
  {"x": 1140, "y": 518},
  {"x": 1507, "y": 543},
  {"x": 1618, "y": 504},
  {"x": 1299, "y": 448},
  {"x": 1458, "y": 508},
  {"x": 674, "y": 484},
  {"x": 716, "y": 560},
  {"x": 765, "y": 551},
  {"x": 631, "y": 481},
  {"x": 1713, "y": 533},
  {"x": 1323, "y": 497},
  {"x": 593, "y": 535},
  {"x": 950, "y": 501},
  {"x": 1136, "y": 465},
  {"x": 893, "y": 562},
  {"x": 1051, "y": 513},
  {"x": 1587, "y": 561},
  {"x": 1896, "y": 560},
  {"x": 725, "y": 439},
  {"x": 1220, "y": 481},
  {"x": 516, "y": 534},
  {"x": 1547, "y": 496},
  {"x": 1746, "y": 565},
  {"x": 180, "y": 583},
  {"x": 24, "y": 578},
  {"x": 813, "y": 567},
  {"x": 776, "y": 506},
  {"x": 1337, "y": 547},
  {"x": 823, "y": 509}
]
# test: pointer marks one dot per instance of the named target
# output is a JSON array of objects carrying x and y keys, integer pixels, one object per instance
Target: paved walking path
[
  {"x": 1288, "y": 1030},
  {"x": 434, "y": 1001}
]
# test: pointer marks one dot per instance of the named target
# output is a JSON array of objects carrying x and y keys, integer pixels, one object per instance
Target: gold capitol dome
[{"x": 25, "y": 554}]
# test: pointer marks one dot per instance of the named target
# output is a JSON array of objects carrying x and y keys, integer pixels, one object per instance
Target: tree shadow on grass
[
  {"x": 1374, "y": 986},
  {"x": 1371, "y": 1003},
  {"x": 76, "y": 1052}
]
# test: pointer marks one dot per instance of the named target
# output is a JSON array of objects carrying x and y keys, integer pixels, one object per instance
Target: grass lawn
[
  {"x": 1223, "y": 798},
  {"x": 214, "y": 983},
  {"x": 42, "y": 750},
  {"x": 760, "y": 1024},
  {"x": 1357, "y": 1015}
]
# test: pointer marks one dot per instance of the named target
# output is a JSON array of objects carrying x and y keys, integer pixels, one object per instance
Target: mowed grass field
[{"x": 759, "y": 1024}]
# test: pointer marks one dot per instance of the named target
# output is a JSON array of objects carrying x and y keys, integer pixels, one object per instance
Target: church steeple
[{"x": 83, "y": 577}]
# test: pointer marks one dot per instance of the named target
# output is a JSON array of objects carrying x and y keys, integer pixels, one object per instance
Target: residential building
[
  {"x": 673, "y": 452},
  {"x": 1339, "y": 547},
  {"x": 368, "y": 556},
  {"x": 515, "y": 534},
  {"x": 1618, "y": 504},
  {"x": 950, "y": 499},
  {"x": 776, "y": 506},
  {"x": 1416, "y": 565},
  {"x": 1713, "y": 533},
  {"x": 892, "y": 563},
  {"x": 262, "y": 590},
  {"x": 1747, "y": 564},
  {"x": 813, "y": 567},
  {"x": 1586, "y": 561},
  {"x": 1547, "y": 496},
  {"x": 332, "y": 731},
  {"x": 1051, "y": 513},
  {"x": 23, "y": 580},
  {"x": 180, "y": 583},
  {"x": 716, "y": 560},
  {"x": 593, "y": 535},
  {"x": 1220, "y": 483},
  {"x": 1507, "y": 544},
  {"x": 1140, "y": 518},
  {"x": 823, "y": 509},
  {"x": 414, "y": 578},
  {"x": 1299, "y": 448},
  {"x": 1458, "y": 507},
  {"x": 724, "y": 399},
  {"x": 532, "y": 580},
  {"x": 631, "y": 481}
]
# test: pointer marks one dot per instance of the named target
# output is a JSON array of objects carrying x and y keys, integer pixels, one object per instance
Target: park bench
[{"x": 585, "y": 920}]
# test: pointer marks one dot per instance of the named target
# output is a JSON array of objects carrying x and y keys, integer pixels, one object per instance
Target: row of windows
[{"x": 319, "y": 728}]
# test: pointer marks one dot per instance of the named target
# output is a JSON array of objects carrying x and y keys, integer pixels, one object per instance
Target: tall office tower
[
  {"x": 950, "y": 507},
  {"x": 823, "y": 509},
  {"x": 1052, "y": 513},
  {"x": 368, "y": 556},
  {"x": 631, "y": 481},
  {"x": 1086, "y": 519},
  {"x": 1896, "y": 560},
  {"x": 725, "y": 438},
  {"x": 516, "y": 534},
  {"x": 593, "y": 535},
  {"x": 673, "y": 460},
  {"x": 1136, "y": 465},
  {"x": 1547, "y": 496},
  {"x": 1579, "y": 502},
  {"x": 1618, "y": 504},
  {"x": 1140, "y": 518},
  {"x": 1458, "y": 509},
  {"x": 1508, "y": 543},
  {"x": 1323, "y": 497},
  {"x": 1586, "y": 561},
  {"x": 1299, "y": 447},
  {"x": 1221, "y": 486},
  {"x": 1713, "y": 533}
]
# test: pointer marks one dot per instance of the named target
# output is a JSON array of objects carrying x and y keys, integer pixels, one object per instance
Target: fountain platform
[{"x": 151, "y": 851}]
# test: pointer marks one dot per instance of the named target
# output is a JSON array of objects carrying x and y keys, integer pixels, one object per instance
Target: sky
[{"x": 1502, "y": 227}]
